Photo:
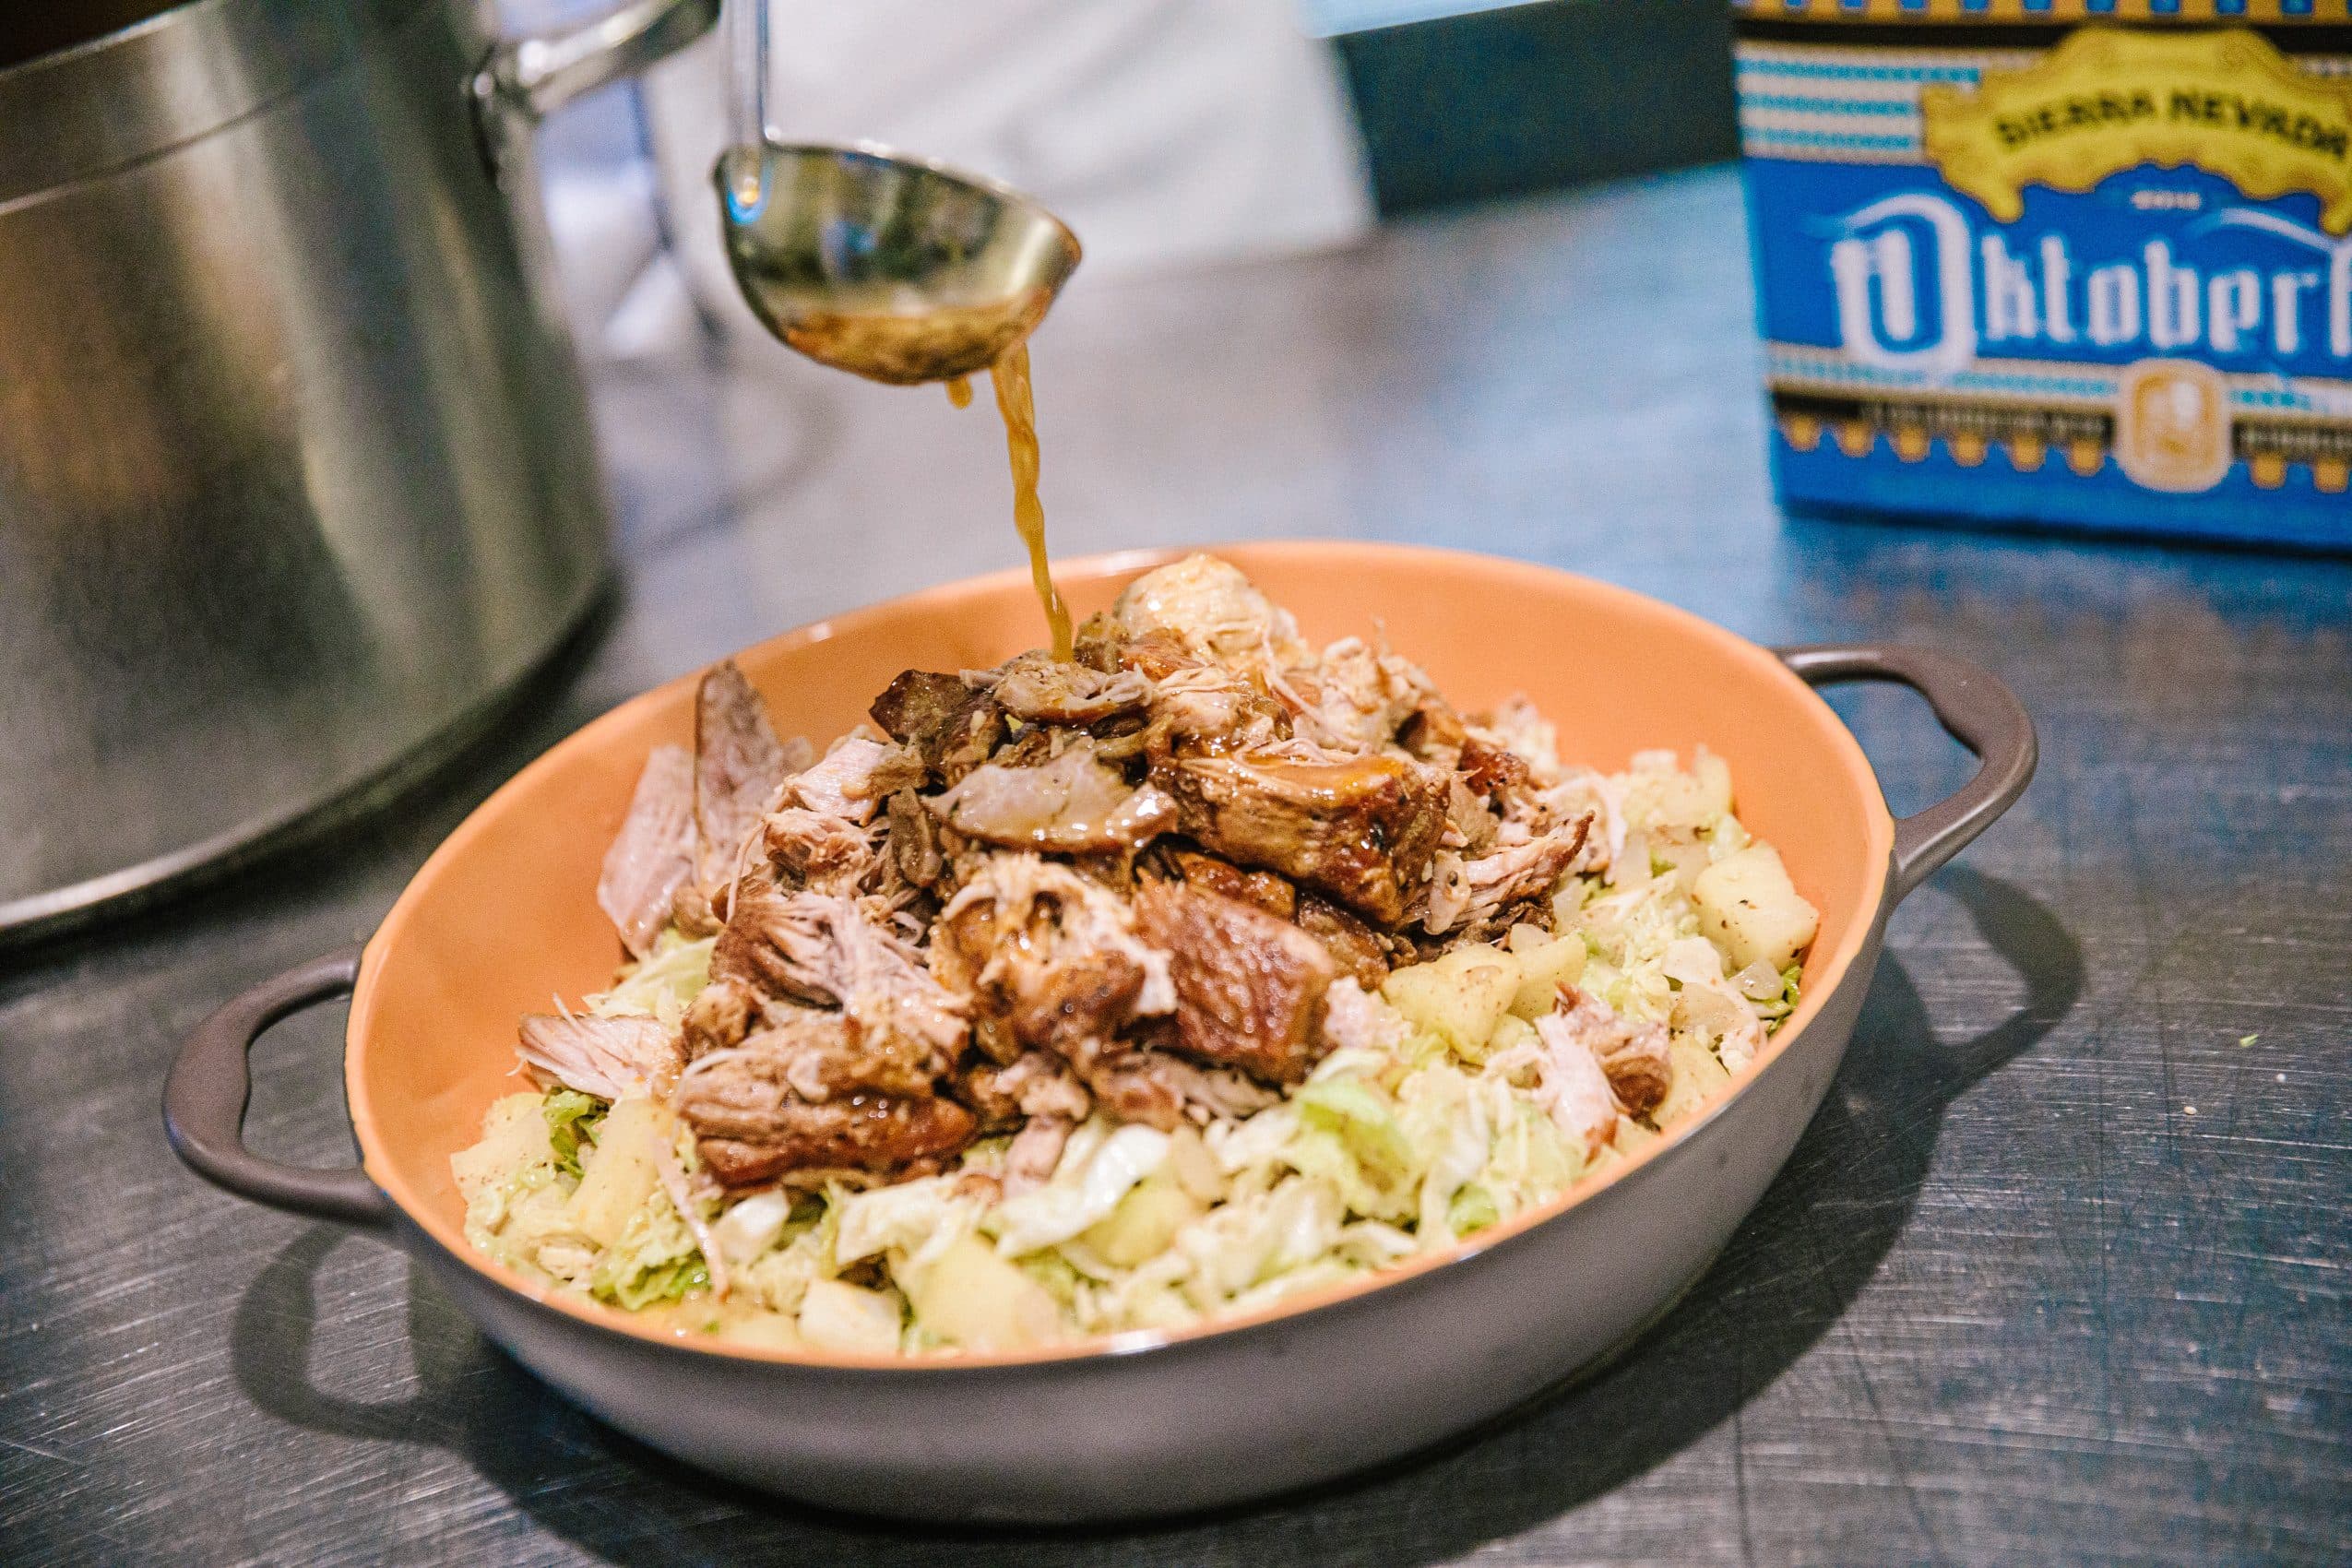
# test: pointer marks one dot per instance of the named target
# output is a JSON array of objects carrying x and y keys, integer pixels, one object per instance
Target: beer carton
[{"x": 2071, "y": 262}]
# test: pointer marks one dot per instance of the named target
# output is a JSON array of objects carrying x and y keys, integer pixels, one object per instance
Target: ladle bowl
[{"x": 892, "y": 267}]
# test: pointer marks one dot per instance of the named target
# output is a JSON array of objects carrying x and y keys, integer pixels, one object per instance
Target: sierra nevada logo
[{"x": 2106, "y": 100}]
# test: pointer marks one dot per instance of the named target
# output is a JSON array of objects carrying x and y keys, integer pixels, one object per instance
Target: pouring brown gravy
[{"x": 1010, "y": 376}]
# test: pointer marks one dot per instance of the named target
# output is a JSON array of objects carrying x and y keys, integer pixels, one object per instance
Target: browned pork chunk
[
  {"x": 916, "y": 703},
  {"x": 1469, "y": 825},
  {"x": 1261, "y": 889},
  {"x": 1434, "y": 732},
  {"x": 914, "y": 840},
  {"x": 1363, "y": 830},
  {"x": 1490, "y": 769},
  {"x": 1096, "y": 643},
  {"x": 1354, "y": 946},
  {"x": 654, "y": 853},
  {"x": 1037, "y": 1083},
  {"x": 739, "y": 767},
  {"x": 1247, "y": 983},
  {"x": 1071, "y": 805},
  {"x": 754, "y": 1129},
  {"x": 949, "y": 725},
  {"x": 720, "y": 1016}
]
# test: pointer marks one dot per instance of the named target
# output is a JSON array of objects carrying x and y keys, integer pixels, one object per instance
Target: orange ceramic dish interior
[{"x": 505, "y": 914}]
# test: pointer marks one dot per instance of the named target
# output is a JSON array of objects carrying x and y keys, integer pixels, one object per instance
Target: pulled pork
[
  {"x": 654, "y": 855},
  {"x": 1155, "y": 884}
]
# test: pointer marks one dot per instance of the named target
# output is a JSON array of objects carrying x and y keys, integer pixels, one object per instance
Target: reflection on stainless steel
[
  {"x": 892, "y": 267},
  {"x": 295, "y": 476}
]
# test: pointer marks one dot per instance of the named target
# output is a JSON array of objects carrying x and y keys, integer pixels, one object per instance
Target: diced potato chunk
[
  {"x": 513, "y": 1134},
  {"x": 1194, "y": 1167},
  {"x": 1698, "y": 1076},
  {"x": 1633, "y": 1138},
  {"x": 1714, "y": 783},
  {"x": 835, "y": 1316},
  {"x": 1684, "y": 858},
  {"x": 1671, "y": 798},
  {"x": 1457, "y": 996},
  {"x": 623, "y": 1171},
  {"x": 972, "y": 1298},
  {"x": 1145, "y": 1222},
  {"x": 1674, "y": 800},
  {"x": 771, "y": 1330},
  {"x": 1546, "y": 963},
  {"x": 1749, "y": 908}
]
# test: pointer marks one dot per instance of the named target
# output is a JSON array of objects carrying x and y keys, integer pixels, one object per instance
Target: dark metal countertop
[{"x": 2058, "y": 1273}]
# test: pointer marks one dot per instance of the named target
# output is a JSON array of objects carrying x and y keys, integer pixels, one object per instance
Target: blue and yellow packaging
[{"x": 2072, "y": 262}]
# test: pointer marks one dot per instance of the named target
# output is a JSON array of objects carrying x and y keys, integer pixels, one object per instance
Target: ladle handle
[{"x": 747, "y": 71}]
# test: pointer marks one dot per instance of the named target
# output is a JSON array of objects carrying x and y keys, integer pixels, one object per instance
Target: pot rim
[
  {"x": 1837, "y": 971},
  {"x": 171, "y": 78}
]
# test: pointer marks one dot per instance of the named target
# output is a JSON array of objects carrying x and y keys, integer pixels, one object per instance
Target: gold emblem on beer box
[
  {"x": 2106, "y": 100},
  {"x": 2172, "y": 425}
]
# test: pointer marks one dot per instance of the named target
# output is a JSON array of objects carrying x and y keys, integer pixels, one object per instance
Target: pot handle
[
  {"x": 203, "y": 1102},
  {"x": 537, "y": 73},
  {"x": 1975, "y": 709}
]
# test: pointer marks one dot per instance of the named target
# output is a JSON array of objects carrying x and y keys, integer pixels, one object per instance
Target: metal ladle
[{"x": 893, "y": 268}]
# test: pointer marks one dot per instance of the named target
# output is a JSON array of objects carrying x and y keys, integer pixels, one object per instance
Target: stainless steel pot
[{"x": 295, "y": 471}]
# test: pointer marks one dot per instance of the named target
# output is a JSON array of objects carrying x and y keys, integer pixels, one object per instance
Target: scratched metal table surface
[{"x": 2059, "y": 1272}]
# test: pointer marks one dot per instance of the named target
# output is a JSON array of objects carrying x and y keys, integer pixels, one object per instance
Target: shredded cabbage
[
  {"x": 570, "y": 1116},
  {"x": 661, "y": 985}
]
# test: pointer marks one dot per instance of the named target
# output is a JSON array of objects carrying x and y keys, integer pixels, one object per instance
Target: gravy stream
[{"x": 1010, "y": 376}]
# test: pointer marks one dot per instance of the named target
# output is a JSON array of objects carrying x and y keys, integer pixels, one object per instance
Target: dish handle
[
  {"x": 1975, "y": 709},
  {"x": 203, "y": 1102}
]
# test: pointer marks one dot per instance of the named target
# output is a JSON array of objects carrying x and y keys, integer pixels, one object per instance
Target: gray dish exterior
[
  {"x": 1219, "y": 1419},
  {"x": 1216, "y": 1419}
]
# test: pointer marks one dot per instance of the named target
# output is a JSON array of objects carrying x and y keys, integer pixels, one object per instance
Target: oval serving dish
[{"x": 1325, "y": 1382}]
